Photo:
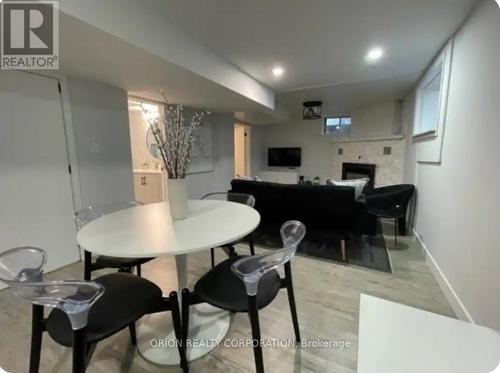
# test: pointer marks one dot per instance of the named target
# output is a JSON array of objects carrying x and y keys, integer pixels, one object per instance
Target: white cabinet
[
  {"x": 282, "y": 177},
  {"x": 148, "y": 186}
]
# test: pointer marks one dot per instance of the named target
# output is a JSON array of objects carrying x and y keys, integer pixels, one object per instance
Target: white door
[{"x": 36, "y": 205}]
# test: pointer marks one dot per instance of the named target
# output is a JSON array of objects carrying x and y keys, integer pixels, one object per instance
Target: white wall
[
  {"x": 379, "y": 120},
  {"x": 458, "y": 212},
  {"x": 320, "y": 153},
  {"x": 219, "y": 179},
  {"x": 305, "y": 134},
  {"x": 99, "y": 115},
  {"x": 257, "y": 149}
]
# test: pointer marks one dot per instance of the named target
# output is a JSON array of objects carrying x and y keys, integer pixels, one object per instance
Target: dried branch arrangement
[{"x": 175, "y": 140}]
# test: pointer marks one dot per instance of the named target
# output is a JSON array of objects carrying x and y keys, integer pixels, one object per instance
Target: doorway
[
  {"x": 242, "y": 155},
  {"x": 149, "y": 178}
]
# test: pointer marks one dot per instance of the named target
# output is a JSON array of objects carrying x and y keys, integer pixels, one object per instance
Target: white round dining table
[{"x": 149, "y": 231}]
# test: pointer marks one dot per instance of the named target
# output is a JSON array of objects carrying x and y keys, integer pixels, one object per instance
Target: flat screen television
[{"x": 284, "y": 157}]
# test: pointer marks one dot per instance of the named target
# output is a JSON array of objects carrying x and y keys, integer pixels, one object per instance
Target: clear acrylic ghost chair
[
  {"x": 73, "y": 321},
  {"x": 248, "y": 284},
  {"x": 85, "y": 216},
  {"x": 245, "y": 199},
  {"x": 22, "y": 269}
]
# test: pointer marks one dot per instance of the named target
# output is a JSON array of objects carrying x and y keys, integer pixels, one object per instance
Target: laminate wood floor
[{"x": 327, "y": 296}]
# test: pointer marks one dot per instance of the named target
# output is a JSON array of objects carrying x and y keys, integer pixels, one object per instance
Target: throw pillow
[{"x": 357, "y": 184}]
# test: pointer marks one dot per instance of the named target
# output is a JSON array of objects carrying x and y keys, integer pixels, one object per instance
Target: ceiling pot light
[
  {"x": 374, "y": 54},
  {"x": 278, "y": 71}
]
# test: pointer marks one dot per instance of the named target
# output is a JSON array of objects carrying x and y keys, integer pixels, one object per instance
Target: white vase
[{"x": 177, "y": 198}]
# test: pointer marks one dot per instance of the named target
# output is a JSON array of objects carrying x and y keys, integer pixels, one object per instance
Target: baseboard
[{"x": 450, "y": 294}]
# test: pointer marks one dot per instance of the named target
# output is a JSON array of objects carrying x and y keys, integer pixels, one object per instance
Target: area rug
[{"x": 363, "y": 251}]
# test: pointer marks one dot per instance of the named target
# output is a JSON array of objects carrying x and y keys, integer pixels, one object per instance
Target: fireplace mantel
[{"x": 372, "y": 139}]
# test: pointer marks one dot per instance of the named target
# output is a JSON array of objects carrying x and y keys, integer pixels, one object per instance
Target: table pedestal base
[{"x": 208, "y": 326}]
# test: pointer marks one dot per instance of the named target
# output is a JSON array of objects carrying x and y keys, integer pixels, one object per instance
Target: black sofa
[{"x": 324, "y": 208}]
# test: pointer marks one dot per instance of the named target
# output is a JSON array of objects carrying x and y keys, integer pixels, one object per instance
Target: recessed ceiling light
[
  {"x": 278, "y": 71},
  {"x": 374, "y": 54}
]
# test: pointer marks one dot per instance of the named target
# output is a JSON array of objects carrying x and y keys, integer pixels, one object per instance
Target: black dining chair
[
  {"x": 246, "y": 199},
  {"x": 85, "y": 216},
  {"x": 248, "y": 284},
  {"x": 390, "y": 202},
  {"x": 84, "y": 312}
]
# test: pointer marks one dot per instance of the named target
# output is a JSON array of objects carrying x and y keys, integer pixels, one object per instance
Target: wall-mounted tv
[{"x": 284, "y": 157}]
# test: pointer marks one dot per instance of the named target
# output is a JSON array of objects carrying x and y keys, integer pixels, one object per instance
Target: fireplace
[{"x": 358, "y": 171}]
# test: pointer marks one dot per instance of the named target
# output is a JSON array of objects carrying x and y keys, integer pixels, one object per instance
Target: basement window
[
  {"x": 337, "y": 126},
  {"x": 432, "y": 92}
]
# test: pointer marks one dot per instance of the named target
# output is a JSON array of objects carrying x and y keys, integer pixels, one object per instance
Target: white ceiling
[
  {"x": 93, "y": 54},
  {"x": 345, "y": 98},
  {"x": 320, "y": 42}
]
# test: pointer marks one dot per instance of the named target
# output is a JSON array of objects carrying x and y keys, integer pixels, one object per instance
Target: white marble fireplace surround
[{"x": 389, "y": 167}]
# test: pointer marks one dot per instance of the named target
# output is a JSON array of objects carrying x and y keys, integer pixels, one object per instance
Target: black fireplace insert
[{"x": 358, "y": 171}]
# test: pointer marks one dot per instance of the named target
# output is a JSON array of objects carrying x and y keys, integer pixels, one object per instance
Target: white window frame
[
  {"x": 339, "y": 117},
  {"x": 441, "y": 65}
]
